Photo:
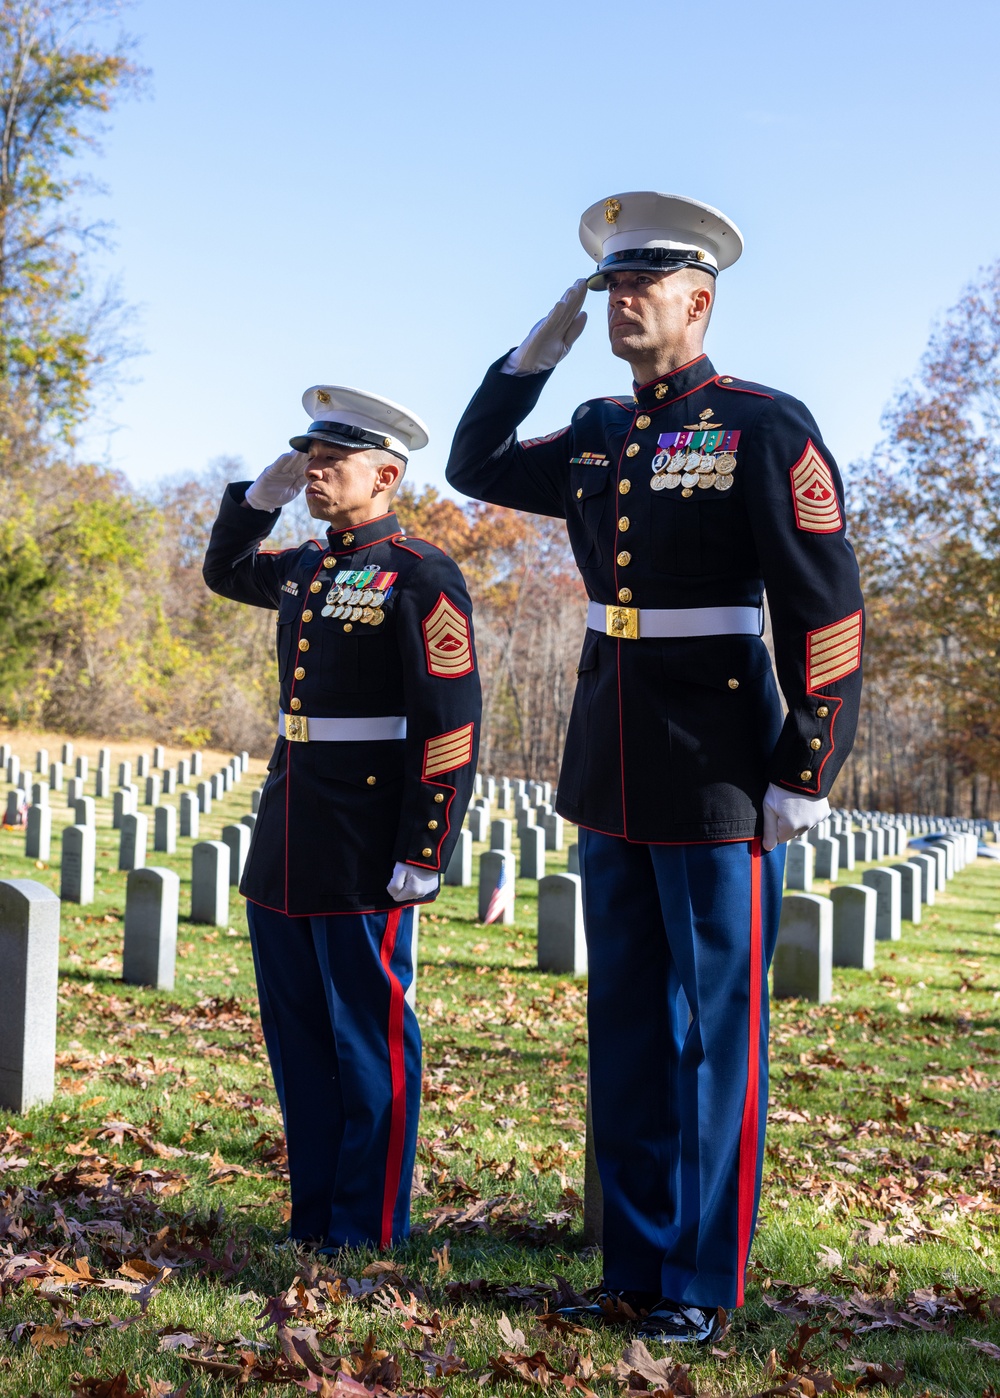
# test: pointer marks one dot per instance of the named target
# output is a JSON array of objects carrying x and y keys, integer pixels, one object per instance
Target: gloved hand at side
[
  {"x": 787, "y": 814},
  {"x": 409, "y": 882},
  {"x": 279, "y": 483},
  {"x": 553, "y": 337}
]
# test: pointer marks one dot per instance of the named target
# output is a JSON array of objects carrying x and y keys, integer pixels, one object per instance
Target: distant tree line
[{"x": 107, "y": 628}]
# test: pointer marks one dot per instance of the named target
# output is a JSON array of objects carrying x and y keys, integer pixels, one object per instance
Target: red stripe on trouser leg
[
  {"x": 397, "y": 1121},
  {"x": 749, "y": 1130}
]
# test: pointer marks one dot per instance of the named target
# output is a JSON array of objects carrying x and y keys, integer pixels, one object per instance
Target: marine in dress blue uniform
[
  {"x": 684, "y": 500},
  {"x": 366, "y": 791}
]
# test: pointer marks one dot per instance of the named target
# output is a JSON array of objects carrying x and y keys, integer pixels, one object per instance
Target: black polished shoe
[
  {"x": 620, "y": 1306},
  {"x": 670, "y": 1323}
]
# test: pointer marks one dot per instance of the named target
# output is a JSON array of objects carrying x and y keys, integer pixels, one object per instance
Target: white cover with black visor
[
  {"x": 646, "y": 231},
  {"x": 350, "y": 417}
]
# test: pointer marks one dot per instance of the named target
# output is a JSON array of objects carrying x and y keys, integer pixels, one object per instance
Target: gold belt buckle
[
  {"x": 296, "y": 728},
  {"x": 623, "y": 622}
]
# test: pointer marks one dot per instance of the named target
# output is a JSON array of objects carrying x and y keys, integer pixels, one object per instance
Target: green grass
[{"x": 882, "y": 1172}]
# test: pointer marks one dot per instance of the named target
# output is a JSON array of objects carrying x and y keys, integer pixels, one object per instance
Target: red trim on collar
[{"x": 639, "y": 387}]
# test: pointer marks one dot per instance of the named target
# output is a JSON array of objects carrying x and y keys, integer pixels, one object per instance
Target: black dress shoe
[
  {"x": 611, "y": 1305},
  {"x": 670, "y": 1323}
]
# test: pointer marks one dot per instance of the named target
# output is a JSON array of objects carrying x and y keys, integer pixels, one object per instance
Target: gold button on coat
[
  {"x": 296, "y": 704},
  {"x": 307, "y": 615},
  {"x": 725, "y": 380},
  {"x": 427, "y": 853},
  {"x": 303, "y": 644},
  {"x": 624, "y": 487},
  {"x": 623, "y": 523},
  {"x": 822, "y": 711},
  {"x": 370, "y": 781},
  {"x": 816, "y": 744},
  {"x": 315, "y": 586},
  {"x": 734, "y": 684},
  {"x": 439, "y": 797},
  {"x": 642, "y": 422},
  {"x": 687, "y": 493},
  {"x": 805, "y": 776},
  {"x": 432, "y": 825},
  {"x": 579, "y": 493},
  {"x": 348, "y": 626},
  {"x": 329, "y": 562},
  {"x": 624, "y": 594},
  {"x": 624, "y": 558},
  {"x": 300, "y": 673},
  {"x": 633, "y": 450}
]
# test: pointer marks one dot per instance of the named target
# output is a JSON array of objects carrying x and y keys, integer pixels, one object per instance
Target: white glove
[
  {"x": 787, "y": 815},
  {"x": 408, "y": 882},
  {"x": 553, "y": 337},
  {"x": 279, "y": 483}
]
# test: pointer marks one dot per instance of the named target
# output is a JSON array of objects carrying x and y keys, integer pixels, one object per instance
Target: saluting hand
[
  {"x": 409, "y": 882},
  {"x": 279, "y": 483},
  {"x": 553, "y": 337},
  {"x": 787, "y": 815}
]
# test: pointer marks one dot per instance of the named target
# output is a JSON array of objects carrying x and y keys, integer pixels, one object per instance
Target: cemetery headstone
[
  {"x": 41, "y": 759},
  {"x": 76, "y": 870},
  {"x": 39, "y": 793},
  {"x": 210, "y": 861},
  {"x": 477, "y": 823},
  {"x": 74, "y": 790},
  {"x": 845, "y": 841},
  {"x": 827, "y": 858},
  {"x": 102, "y": 783},
  {"x": 165, "y": 830},
  {"x": 189, "y": 815},
  {"x": 123, "y": 804},
  {"x": 104, "y": 758},
  {"x": 255, "y": 800},
  {"x": 573, "y": 859},
  {"x": 799, "y": 862},
  {"x": 500, "y": 835},
  {"x": 803, "y": 957},
  {"x": 911, "y": 877},
  {"x": 854, "y": 925},
  {"x": 562, "y": 946},
  {"x": 204, "y": 797},
  {"x": 183, "y": 771},
  {"x": 159, "y": 757},
  {"x": 216, "y": 787},
  {"x": 142, "y": 765},
  {"x": 133, "y": 842},
  {"x": 196, "y": 764},
  {"x": 152, "y": 790},
  {"x": 85, "y": 812},
  {"x": 490, "y": 864},
  {"x": 236, "y": 838},
  {"x": 125, "y": 773},
  {"x": 863, "y": 846},
  {"x": 169, "y": 781},
  {"x": 553, "y": 827},
  {"x": 5, "y": 752},
  {"x": 152, "y": 901},
  {"x": 38, "y": 834},
  {"x": 13, "y": 769},
  {"x": 249, "y": 821},
  {"x": 532, "y": 863},
  {"x": 56, "y": 776},
  {"x": 83, "y": 767},
  {"x": 886, "y": 883},
  {"x": 29, "y": 955},
  {"x": 245, "y": 760},
  {"x": 459, "y": 871}
]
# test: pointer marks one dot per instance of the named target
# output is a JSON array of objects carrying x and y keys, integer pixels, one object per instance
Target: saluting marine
[
  {"x": 366, "y": 793},
  {"x": 684, "y": 500}
]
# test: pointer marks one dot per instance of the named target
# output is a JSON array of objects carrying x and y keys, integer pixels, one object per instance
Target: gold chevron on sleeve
[
  {"x": 814, "y": 495},
  {"x": 447, "y": 640},
  {"x": 833, "y": 652},
  {"x": 448, "y": 751}
]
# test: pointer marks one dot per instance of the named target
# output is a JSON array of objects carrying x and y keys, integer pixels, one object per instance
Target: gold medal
[
  {"x": 725, "y": 463},
  {"x": 366, "y": 615},
  {"x": 689, "y": 479},
  {"x": 723, "y": 482},
  {"x": 671, "y": 482},
  {"x": 377, "y": 617},
  {"x": 377, "y": 598},
  {"x": 707, "y": 464},
  {"x": 661, "y": 482},
  {"x": 365, "y": 597},
  {"x": 706, "y": 482},
  {"x": 356, "y": 613}
]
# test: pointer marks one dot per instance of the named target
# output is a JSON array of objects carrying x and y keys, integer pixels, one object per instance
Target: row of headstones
[
  {"x": 816, "y": 933},
  {"x": 833, "y": 845},
  {"x": 126, "y": 817},
  {"x": 27, "y": 793},
  {"x": 927, "y": 824}
]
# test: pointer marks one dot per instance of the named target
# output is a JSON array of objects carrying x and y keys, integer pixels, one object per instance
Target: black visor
[
  {"x": 647, "y": 260},
  {"x": 343, "y": 434}
]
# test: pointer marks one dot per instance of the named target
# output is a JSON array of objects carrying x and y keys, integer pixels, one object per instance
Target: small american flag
[{"x": 499, "y": 896}]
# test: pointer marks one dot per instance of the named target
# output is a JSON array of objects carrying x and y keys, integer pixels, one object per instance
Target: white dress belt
[
  {"x": 373, "y": 729},
  {"x": 634, "y": 623}
]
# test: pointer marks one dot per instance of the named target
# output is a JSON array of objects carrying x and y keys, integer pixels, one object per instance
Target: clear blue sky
[{"x": 387, "y": 195}]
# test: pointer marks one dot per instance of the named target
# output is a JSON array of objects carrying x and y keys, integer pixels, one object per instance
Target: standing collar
[
  {"x": 661, "y": 392},
  {"x": 360, "y": 536}
]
